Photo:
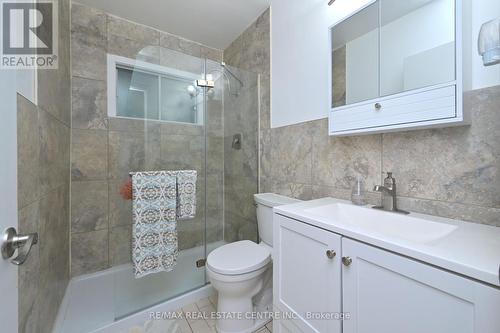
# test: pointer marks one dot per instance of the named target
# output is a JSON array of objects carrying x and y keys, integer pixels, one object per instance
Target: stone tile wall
[
  {"x": 43, "y": 189},
  {"x": 250, "y": 53},
  {"x": 241, "y": 111},
  {"x": 451, "y": 172},
  {"x": 104, "y": 150}
]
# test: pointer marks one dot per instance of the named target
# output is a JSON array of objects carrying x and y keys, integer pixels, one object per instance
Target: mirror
[
  {"x": 393, "y": 46},
  {"x": 417, "y": 44},
  {"x": 355, "y": 57}
]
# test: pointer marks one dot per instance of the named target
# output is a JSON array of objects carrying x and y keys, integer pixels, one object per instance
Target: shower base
[{"x": 113, "y": 300}]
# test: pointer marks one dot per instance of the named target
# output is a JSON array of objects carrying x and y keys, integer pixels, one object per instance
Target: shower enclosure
[{"x": 172, "y": 111}]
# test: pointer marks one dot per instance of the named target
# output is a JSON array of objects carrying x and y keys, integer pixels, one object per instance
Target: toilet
[{"x": 241, "y": 272}]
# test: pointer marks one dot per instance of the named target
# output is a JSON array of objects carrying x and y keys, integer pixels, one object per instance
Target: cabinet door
[
  {"x": 417, "y": 44},
  {"x": 355, "y": 57},
  {"x": 388, "y": 293},
  {"x": 307, "y": 279}
]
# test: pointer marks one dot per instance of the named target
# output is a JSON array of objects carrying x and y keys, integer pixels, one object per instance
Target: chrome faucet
[{"x": 388, "y": 190}]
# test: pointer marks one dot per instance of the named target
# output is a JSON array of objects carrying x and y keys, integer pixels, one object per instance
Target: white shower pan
[{"x": 94, "y": 303}]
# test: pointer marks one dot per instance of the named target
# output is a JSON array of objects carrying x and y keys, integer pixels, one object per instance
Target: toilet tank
[{"x": 265, "y": 203}]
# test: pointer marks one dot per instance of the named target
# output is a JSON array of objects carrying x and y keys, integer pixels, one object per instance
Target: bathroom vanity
[{"x": 383, "y": 272}]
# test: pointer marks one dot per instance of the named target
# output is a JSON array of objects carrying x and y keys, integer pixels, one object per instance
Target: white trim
[
  {"x": 27, "y": 84},
  {"x": 114, "y": 61},
  {"x": 8, "y": 196},
  {"x": 459, "y": 63},
  {"x": 152, "y": 121},
  {"x": 112, "y": 78}
]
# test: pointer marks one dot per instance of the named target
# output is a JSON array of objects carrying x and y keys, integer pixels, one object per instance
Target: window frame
[{"x": 114, "y": 62}]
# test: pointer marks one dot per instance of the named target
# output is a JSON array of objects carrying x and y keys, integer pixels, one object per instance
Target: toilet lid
[{"x": 238, "y": 258}]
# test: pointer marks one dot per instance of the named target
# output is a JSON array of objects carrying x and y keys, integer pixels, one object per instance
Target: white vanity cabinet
[
  {"x": 379, "y": 291},
  {"x": 309, "y": 262},
  {"x": 385, "y": 292}
]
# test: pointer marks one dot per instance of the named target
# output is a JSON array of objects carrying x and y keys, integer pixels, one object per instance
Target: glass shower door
[
  {"x": 170, "y": 136},
  {"x": 232, "y": 154},
  {"x": 241, "y": 104},
  {"x": 169, "y": 122},
  {"x": 214, "y": 106}
]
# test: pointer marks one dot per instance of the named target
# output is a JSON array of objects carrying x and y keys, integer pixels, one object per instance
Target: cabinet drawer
[{"x": 409, "y": 109}]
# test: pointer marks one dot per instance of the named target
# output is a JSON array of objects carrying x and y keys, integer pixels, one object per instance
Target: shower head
[
  {"x": 227, "y": 74},
  {"x": 223, "y": 64}
]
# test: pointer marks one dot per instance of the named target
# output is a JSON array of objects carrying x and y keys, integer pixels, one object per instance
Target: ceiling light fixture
[{"x": 331, "y": 2}]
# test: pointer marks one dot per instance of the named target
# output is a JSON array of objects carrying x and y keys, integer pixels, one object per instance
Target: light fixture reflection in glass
[{"x": 192, "y": 90}]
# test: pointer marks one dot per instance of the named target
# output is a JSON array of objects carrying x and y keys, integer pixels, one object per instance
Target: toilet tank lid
[{"x": 273, "y": 200}]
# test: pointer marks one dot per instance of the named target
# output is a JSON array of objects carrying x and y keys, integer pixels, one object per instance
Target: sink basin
[{"x": 394, "y": 225}]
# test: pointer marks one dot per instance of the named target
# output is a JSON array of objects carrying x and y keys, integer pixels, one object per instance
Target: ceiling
[{"x": 215, "y": 23}]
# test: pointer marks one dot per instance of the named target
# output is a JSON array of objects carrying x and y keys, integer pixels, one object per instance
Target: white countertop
[{"x": 472, "y": 250}]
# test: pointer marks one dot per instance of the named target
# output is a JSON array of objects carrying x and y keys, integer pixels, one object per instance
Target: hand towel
[
  {"x": 186, "y": 194},
  {"x": 154, "y": 235}
]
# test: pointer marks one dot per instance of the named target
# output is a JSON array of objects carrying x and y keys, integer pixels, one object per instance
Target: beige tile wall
[
  {"x": 250, "y": 53},
  {"x": 43, "y": 189},
  {"x": 451, "y": 172},
  {"x": 105, "y": 150},
  {"x": 241, "y": 111}
]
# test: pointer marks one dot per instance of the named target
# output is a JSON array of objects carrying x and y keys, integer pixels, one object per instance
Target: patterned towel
[
  {"x": 154, "y": 234},
  {"x": 186, "y": 194}
]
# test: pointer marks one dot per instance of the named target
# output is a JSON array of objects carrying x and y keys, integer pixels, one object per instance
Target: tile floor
[{"x": 188, "y": 324}]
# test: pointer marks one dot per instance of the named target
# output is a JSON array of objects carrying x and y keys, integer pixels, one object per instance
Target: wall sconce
[
  {"x": 331, "y": 2},
  {"x": 489, "y": 42}
]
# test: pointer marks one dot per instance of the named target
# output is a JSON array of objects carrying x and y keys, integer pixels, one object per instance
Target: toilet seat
[{"x": 238, "y": 258}]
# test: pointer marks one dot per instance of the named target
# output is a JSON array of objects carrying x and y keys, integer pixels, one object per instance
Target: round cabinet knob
[
  {"x": 378, "y": 106},
  {"x": 331, "y": 254},
  {"x": 347, "y": 261}
]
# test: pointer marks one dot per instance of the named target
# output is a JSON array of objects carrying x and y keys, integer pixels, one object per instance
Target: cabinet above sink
[{"x": 397, "y": 65}]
